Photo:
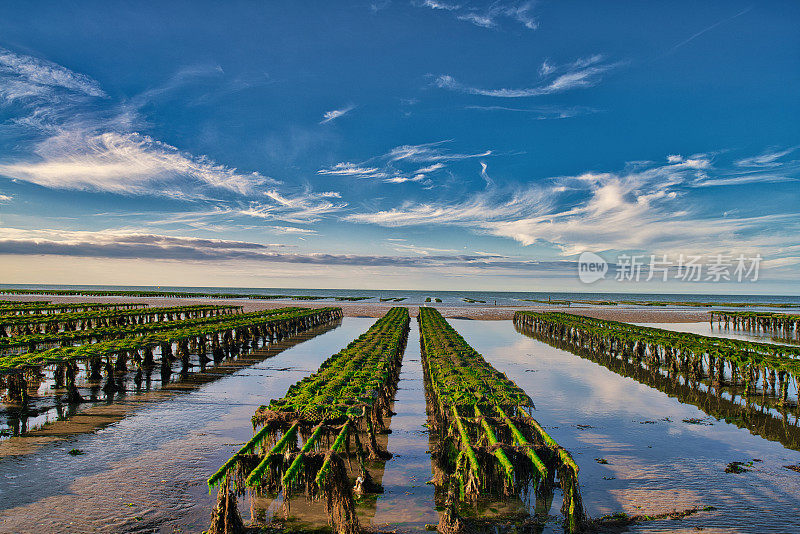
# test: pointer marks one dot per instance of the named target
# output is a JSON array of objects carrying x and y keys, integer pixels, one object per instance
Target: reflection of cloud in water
[
  {"x": 656, "y": 501},
  {"x": 605, "y": 441}
]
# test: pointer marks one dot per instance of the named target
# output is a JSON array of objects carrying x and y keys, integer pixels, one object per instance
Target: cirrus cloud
[
  {"x": 128, "y": 163},
  {"x": 26, "y": 76},
  {"x": 74, "y": 141},
  {"x": 644, "y": 208},
  {"x": 583, "y": 72},
  {"x": 487, "y": 16},
  {"x": 336, "y": 113},
  {"x": 404, "y": 163}
]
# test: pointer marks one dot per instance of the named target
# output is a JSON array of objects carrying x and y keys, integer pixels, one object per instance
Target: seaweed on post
[
  {"x": 752, "y": 367},
  {"x": 488, "y": 442},
  {"x": 22, "y": 325},
  {"x": 230, "y": 332},
  {"x": 336, "y": 412},
  {"x": 42, "y": 308},
  {"x": 781, "y": 325},
  {"x": 32, "y": 342},
  {"x": 719, "y": 376},
  {"x": 723, "y": 403}
]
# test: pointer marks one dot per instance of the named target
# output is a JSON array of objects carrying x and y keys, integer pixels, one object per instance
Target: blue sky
[{"x": 423, "y": 144}]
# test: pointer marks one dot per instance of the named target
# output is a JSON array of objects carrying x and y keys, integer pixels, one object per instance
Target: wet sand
[{"x": 483, "y": 312}]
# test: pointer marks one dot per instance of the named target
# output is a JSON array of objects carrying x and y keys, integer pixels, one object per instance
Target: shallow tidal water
[{"x": 146, "y": 472}]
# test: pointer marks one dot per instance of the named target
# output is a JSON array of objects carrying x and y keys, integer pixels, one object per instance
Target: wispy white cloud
[
  {"x": 429, "y": 153},
  {"x": 479, "y": 19},
  {"x": 487, "y": 16},
  {"x": 767, "y": 167},
  {"x": 485, "y": 175},
  {"x": 122, "y": 163},
  {"x": 386, "y": 173},
  {"x": 5, "y": 198},
  {"x": 26, "y": 76},
  {"x": 740, "y": 179},
  {"x": 98, "y": 147},
  {"x": 583, "y": 72},
  {"x": 430, "y": 168},
  {"x": 379, "y": 5},
  {"x": 776, "y": 263},
  {"x": 482, "y": 206},
  {"x": 766, "y": 159},
  {"x": 643, "y": 209},
  {"x": 385, "y": 167},
  {"x": 541, "y": 112},
  {"x": 265, "y": 214},
  {"x": 698, "y": 161},
  {"x": 183, "y": 77},
  {"x": 440, "y": 5},
  {"x": 304, "y": 208},
  {"x": 352, "y": 169},
  {"x": 546, "y": 68},
  {"x": 291, "y": 230},
  {"x": 336, "y": 113},
  {"x": 402, "y": 178},
  {"x": 522, "y": 13}
]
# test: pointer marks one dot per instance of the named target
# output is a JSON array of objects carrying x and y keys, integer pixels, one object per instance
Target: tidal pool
[{"x": 146, "y": 470}]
